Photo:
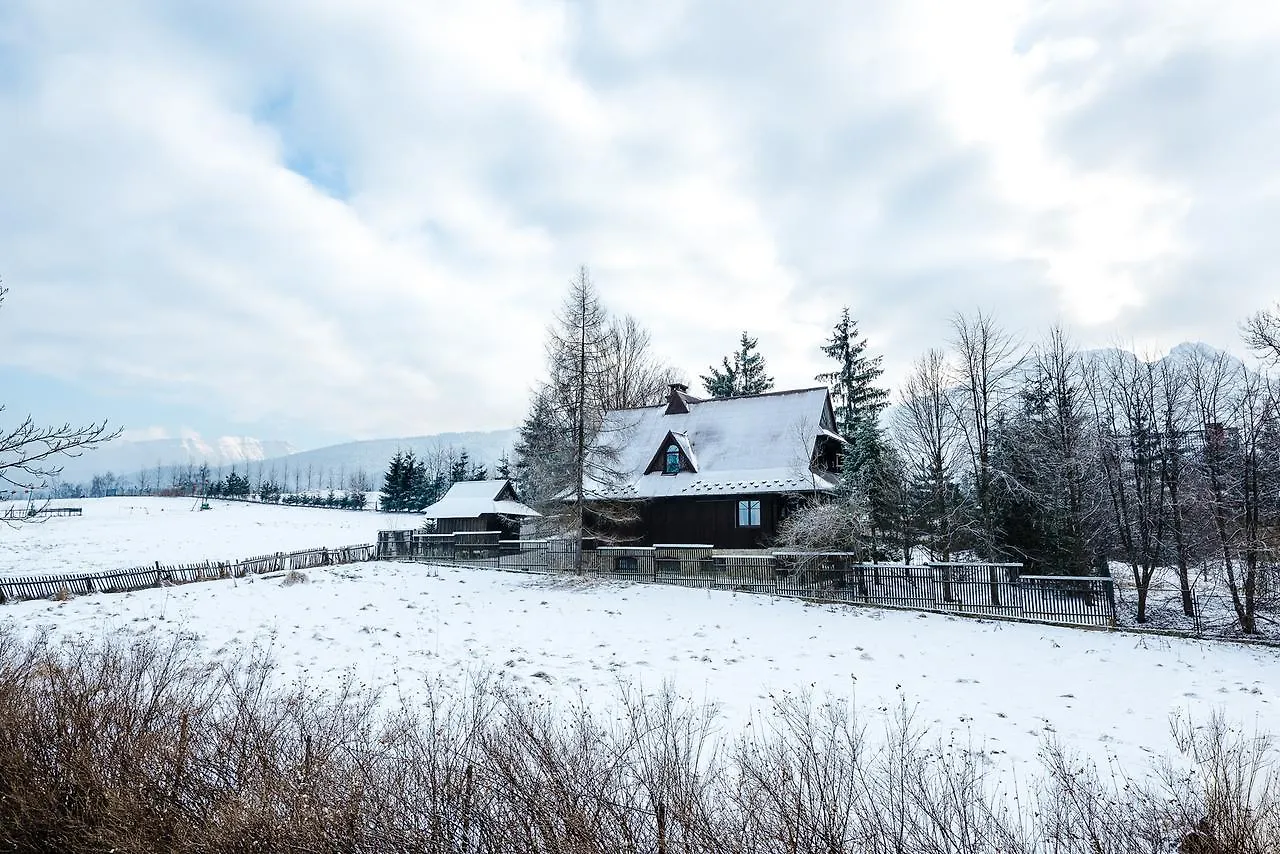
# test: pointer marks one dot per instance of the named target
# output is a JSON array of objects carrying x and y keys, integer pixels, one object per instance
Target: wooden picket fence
[{"x": 159, "y": 575}]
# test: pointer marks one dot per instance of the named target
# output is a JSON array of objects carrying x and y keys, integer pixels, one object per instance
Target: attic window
[{"x": 673, "y": 460}]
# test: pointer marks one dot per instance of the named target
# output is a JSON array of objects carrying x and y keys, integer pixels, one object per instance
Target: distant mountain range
[{"x": 126, "y": 459}]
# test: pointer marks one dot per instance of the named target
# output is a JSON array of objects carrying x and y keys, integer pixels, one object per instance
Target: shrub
[{"x": 145, "y": 747}]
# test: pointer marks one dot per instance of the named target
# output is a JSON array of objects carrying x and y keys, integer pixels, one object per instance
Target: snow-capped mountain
[
  {"x": 125, "y": 456},
  {"x": 278, "y": 460}
]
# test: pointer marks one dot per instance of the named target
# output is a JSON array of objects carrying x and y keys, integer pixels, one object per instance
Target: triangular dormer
[{"x": 673, "y": 455}]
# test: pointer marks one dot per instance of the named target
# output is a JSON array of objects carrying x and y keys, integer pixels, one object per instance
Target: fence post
[{"x": 1111, "y": 600}]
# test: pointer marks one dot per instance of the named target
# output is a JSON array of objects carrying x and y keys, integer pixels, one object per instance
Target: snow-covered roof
[
  {"x": 470, "y": 499},
  {"x": 742, "y": 445}
]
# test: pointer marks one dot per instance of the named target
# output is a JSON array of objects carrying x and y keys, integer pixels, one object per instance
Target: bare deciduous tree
[
  {"x": 30, "y": 452},
  {"x": 929, "y": 437},
  {"x": 1125, "y": 399},
  {"x": 632, "y": 375},
  {"x": 989, "y": 360},
  {"x": 1236, "y": 418},
  {"x": 1262, "y": 333}
]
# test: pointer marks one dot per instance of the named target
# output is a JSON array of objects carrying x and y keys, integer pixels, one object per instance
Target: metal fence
[{"x": 975, "y": 589}]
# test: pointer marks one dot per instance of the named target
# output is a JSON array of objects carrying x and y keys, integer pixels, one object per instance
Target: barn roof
[
  {"x": 742, "y": 445},
  {"x": 470, "y": 499}
]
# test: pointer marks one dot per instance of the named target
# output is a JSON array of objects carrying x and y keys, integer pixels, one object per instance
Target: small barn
[{"x": 480, "y": 505}]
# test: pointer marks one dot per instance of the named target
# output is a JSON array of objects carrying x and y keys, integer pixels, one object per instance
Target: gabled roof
[
  {"x": 471, "y": 499},
  {"x": 742, "y": 445}
]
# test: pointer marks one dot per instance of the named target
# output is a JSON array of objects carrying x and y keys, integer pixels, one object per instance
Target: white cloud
[{"x": 365, "y": 214}]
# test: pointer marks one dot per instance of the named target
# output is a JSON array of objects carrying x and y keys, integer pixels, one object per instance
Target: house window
[
  {"x": 673, "y": 460},
  {"x": 748, "y": 514}
]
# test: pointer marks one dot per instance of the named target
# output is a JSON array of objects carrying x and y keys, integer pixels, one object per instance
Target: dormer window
[{"x": 673, "y": 456}]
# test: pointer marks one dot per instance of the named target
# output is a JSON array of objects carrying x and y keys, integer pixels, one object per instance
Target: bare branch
[
  {"x": 1262, "y": 333},
  {"x": 29, "y": 452}
]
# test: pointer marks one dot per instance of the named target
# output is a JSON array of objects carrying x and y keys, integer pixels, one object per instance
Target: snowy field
[
  {"x": 1000, "y": 687},
  {"x": 118, "y": 533}
]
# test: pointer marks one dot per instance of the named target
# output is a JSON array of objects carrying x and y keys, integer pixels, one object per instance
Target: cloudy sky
[{"x": 339, "y": 219}]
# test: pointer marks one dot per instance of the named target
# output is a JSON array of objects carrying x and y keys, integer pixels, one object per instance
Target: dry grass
[{"x": 143, "y": 748}]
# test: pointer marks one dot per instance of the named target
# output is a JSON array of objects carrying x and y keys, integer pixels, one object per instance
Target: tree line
[
  {"x": 1070, "y": 460},
  {"x": 412, "y": 483},
  {"x": 994, "y": 448}
]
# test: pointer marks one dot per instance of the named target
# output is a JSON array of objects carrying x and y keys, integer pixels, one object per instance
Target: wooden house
[
  {"x": 480, "y": 505},
  {"x": 722, "y": 472}
]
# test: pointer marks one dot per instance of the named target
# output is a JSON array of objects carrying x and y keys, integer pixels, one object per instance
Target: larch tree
[{"x": 594, "y": 365}]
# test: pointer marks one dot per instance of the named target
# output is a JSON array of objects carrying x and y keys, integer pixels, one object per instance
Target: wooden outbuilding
[{"x": 480, "y": 505}]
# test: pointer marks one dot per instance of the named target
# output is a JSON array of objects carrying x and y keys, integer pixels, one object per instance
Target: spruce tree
[
  {"x": 417, "y": 492},
  {"x": 720, "y": 383},
  {"x": 543, "y": 465},
  {"x": 503, "y": 469},
  {"x": 746, "y": 374},
  {"x": 855, "y": 397},
  {"x": 393, "y": 484},
  {"x": 460, "y": 470}
]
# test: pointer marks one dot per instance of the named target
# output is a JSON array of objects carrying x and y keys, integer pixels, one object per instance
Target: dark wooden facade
[
  {"x": 507, "y": 526},
  {"x": 710, "y": 521}
]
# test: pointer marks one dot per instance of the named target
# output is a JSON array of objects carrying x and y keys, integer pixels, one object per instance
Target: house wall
[
  {"x": 457, "y": 526},
  {"x": 510, "y": 529},
  {"x": 713, "y": 521}
]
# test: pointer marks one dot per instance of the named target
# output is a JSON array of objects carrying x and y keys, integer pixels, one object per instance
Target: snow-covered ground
[
  {"x": 398, "y": 626},
  {"x": 118, "y": 533},
  {"x": 1002, "y": 687}
]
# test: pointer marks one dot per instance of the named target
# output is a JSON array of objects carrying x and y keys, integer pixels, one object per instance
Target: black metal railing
[{"x": 972, "y": 588}]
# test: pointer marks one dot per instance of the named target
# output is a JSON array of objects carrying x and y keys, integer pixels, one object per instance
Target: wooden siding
[
  {"x": 710, "y": 521},
  {"x": 486, "y": 522}
]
